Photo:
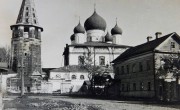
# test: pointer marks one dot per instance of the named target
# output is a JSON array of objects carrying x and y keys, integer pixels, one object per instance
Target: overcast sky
[{"x": 137, "y": 18}]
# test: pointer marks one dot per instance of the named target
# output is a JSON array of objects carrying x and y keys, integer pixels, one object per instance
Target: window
[
  {"x": 35, "y": 21},
  {"x": 81, "y": 60},
  {"x": 149, "y": 86},
  {"x": 134, "y": 68},
  {"x": 122, "y": 87},
  {"x": 27, "y": 20},
  {"x": 101, "y": 60},
  {"x": 73, "y": 77},
  {"x": 27, "y": 14},
  {"x": 90, "y": 39},
  {"x": 172, "y": 44},
  {"x": 27, "y": 8},
  {"x": 141, "y": 86},
  {"x": 33, "y": 9},
  {"x": 148, "y": 67},
  {"x": 117, "y": 70},
  {"x": 128, "y": 87},
  {"x": 127, "y": 68},
  {"x": 122, "y": 69},
  {"x": 34, "y": 15},
  {"x": 82, "y": 77},
  {"x": 140, "y": 67},
  {"x": 26, "y": 29},
  {"x": 134, "y": 86}
]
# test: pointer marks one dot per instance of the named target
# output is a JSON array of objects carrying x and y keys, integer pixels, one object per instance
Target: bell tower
[{"x": 26, "y": 41}]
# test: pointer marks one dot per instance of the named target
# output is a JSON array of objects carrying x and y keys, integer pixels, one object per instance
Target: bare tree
[
  {"x": 170, "y": 64},
  {"x": 5, "y": 55},
  {"x": 93, "y": 70},
  {"x": 97, "y": 74}
]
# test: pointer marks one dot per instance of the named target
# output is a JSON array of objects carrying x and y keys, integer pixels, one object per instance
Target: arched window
[
  {"x": 73, "y": 77},
  {"x": 101, "y": 60},
  {"x": 82, "y": 77},
  {"x": 81, "y": 60}
]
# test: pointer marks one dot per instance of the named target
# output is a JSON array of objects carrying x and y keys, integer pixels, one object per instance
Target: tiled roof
[
  {"x": 98, "y": 44},
  {"x": 146, "y": 47}
]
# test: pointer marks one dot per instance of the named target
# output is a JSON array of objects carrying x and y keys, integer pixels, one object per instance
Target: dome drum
[{"x": 108, "y": 38}]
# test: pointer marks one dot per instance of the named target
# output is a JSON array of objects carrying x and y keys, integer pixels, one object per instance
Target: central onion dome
[
  {"x": 95, "y": 22},
  {"x": 116, "y": 30},
  {"x": 79, "y": 29},
  {"x": 108, "y": 37}
]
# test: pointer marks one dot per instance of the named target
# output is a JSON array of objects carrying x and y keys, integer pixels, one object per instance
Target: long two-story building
[{"x": 138, "y": 69}]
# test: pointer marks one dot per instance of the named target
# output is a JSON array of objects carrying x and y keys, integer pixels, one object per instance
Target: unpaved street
[{"x": 69, "y": 103}]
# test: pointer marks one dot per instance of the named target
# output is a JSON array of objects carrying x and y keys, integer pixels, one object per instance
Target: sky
[{"x": 137, "y": 18}]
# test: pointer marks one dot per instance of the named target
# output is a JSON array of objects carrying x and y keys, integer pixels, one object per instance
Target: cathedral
[
  {"x": 94, "y": 39},
  {"x": 26, "y": 44}
]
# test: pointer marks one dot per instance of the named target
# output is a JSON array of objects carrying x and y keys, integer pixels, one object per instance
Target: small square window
[{"x": 172, "y": 44}]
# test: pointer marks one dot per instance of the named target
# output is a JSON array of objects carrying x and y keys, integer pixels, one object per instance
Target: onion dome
[
  {"x": 79, "y": 29},
  {"x": 72, "y": 37},
  {"x": 116, "y": 30},
  {"x": 95, "y": 22},
  {"x": 108, "y": 37}
]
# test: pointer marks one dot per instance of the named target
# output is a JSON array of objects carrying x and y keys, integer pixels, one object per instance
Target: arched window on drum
[
  {"x": 73, "y": 77},
  {"x": 82, "y": 77}
]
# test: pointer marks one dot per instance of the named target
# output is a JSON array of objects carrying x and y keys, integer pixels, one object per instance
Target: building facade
[
  {"x": 138, "y": 69},
  {"x": 67, "y": 79},
  {"x": 26, "y": 42}
]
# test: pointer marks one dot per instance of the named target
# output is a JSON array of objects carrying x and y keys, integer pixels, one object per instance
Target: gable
[{"x": 171, "y": 44}]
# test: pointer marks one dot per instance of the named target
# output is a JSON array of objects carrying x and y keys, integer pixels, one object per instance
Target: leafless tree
[
  {"x": 170, "y": 64},
  {"x": 93, "y": 70},
  {"x": 5, "y": 55}
]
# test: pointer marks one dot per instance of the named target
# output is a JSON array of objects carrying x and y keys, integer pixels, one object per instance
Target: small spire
[
  {"x": 94, "y": 7},
  {"x": 79, "y": 19},
  {"x": 116, "y": 20}
]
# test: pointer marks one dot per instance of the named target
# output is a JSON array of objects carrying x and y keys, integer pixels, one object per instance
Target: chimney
[
  {"x": 158, "y": 35},
  {"x": 149, "y": 38}
]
